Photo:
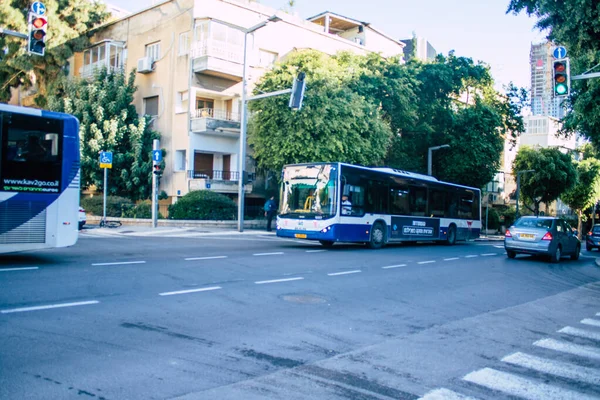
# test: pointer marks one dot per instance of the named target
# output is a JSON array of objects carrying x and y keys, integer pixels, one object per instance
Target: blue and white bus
[
  {"x": 39, "y": 179},
  {"x": 337, "y": 202}
]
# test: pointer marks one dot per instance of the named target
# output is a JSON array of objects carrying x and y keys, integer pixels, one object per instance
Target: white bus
[
  {"x": 39, "y": 179},
  {"x": 382, "y": 205}
]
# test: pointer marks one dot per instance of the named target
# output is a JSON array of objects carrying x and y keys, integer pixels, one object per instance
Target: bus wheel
[
  {"x": 377, "y": 236},
  {"x": 451, "y": 240},
  {"x": 326, "y": 243}
]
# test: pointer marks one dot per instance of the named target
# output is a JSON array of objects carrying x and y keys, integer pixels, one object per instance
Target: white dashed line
[
  {"x": 356, "y": 271},
  {"x": 279, "y": 280},
  {"x": 190, "y": 291},
  {"x": 269, "y": 254},
  {"x": 17, "y": 269},
  {"x": 591, "y": 322},
  {"x": 315, "y": 251},
  {"x": 472, "y": 256},
  {"x": 394, "y": 266},
  {"x": 499, "y": 247},
  {"x": 488, "y": 254},
  {"x": 426, "y": 262},
  {"x": 445, "y": 394},
  {"x": 121, "y": 263},
  {"x": 24, "y": 309},
  {"x": 451, "y": 259},
  {"x": 204, "y": 258}
]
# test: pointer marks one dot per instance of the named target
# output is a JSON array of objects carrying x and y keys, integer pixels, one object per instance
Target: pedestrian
[{"x": 270, "y": 210}]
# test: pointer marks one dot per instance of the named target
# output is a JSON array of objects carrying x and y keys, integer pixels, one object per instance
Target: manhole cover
[{"x": 304, "y": 299}]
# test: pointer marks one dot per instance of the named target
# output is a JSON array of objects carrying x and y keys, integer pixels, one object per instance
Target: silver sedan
[{"x": 542, "y": 235}]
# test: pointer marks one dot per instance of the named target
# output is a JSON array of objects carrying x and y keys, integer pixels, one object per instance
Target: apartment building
[{"x": 189, "y": 59}]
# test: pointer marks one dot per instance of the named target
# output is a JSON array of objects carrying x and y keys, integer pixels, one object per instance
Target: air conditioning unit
[{"x": 145, "y": 65}]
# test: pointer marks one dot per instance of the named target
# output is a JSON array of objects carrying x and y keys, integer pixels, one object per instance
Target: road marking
[
  {"x": 552, "y": 367},
  {"x": 204, "y": 258},
  {"x": 499, "y": 247},
  {"x": 315, "y": 251},
  {"x": 472, "y": 256},
  {"x": 580, "y": 333},
  {"x": 592, "y": 322},
  {"x": 268, "y": 254},
  {"x": 17, "y": 269},
  {"x": 489, "y": 254},
  {"x": 598, "y": 315},
  {"x": 279, "y": 280},
  {"x": 451, "y": 259},
  {"x": 394, "y": 266},
  {"x": 445, "y": 394},
  {"x": 121, "y": 263},
  {"x": 426, "y": 262},
  {"x": 564, "y": 347},
  {"x": 190, "y": 291},
  {"x": 81, "y": 303},
  {"x": 150, "y": 233},
  {"x": 356, "y": 271},
  {"x": 521, "y": 387}
]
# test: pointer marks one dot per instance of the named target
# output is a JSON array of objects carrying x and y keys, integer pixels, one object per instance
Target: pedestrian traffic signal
[
  {"x": 298, "y": 92},
  {"x": 37, "y": 34},
  {"x": 561, "y": 77}
]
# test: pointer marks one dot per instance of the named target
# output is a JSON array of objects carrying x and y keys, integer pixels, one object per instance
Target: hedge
[{"x": 204, "y": 205}]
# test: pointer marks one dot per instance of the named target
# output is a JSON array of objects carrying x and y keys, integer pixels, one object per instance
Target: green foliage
[
  {"x": 203, "y": 205},
  {"x": 68, "y": 24},
  {"x": 493, "y": 218},
  {"x": 163, "y": 195},
  {"x": 334, "y": 124},
  {"x": 115, "y": 205},
  {"x": 574, "y": 24},
  {"x": 140, "y": 210},
  {"x": 586, "y": 192},
  {"x": 509, "y": 214},
  {"x": 554, "y": 175},
  {"x": 109, "y": 122}
]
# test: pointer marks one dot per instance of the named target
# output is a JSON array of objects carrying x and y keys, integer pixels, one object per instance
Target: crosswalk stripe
[
  {"x": 569, "y": 330},
  {"x": 552, "y": 367},
  {"x": 592, "y": 322},
  {"x": 445, "y": 394},
  {"x": 564, "y": 347},
  {"x": 521, "y": 387}
]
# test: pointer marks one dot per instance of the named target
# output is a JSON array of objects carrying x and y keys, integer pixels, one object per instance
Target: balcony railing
[
  {"x": 218, "y": 175},
  {"x": 219, "y": 49},
  {"x": 88, "y": 70},
  {"x": 216, "y": 114}
]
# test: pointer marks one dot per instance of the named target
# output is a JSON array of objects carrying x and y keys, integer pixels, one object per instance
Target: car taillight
[
  {"x": 547, "y": 236},
  {"x": 508, "y": 234}
]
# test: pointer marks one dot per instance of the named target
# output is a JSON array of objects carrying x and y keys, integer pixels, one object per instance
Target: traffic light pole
[{"x": 155, "y": 146}]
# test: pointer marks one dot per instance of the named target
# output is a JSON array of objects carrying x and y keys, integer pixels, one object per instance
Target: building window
[
  {"x": 183, "y": 43},
  {"x": 180, "y": 160},
  {"x": 266, "y": 58},
  {"x": 151, "y": 107},
  {"x": 181, "y": 102},
  {"x": 153, "y": 51}
]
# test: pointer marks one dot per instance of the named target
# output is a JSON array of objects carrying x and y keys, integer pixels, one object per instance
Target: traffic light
[
  {"x": 561, "y": 77},
  {"x": 298, "y": 92},
  {"x": 37, "y": 34},
  {"x": 156, "y": 169}
]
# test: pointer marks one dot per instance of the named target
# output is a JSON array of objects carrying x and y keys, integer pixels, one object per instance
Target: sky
[{"x": 479, "y": 29}]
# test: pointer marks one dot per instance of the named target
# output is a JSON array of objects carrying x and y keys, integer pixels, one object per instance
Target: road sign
[
  {"x": 39, "y": 8},
  {"x": 559, "y": 52},
  {"x": 156, "y": 156},
  {"x": 106, "y": 159}
]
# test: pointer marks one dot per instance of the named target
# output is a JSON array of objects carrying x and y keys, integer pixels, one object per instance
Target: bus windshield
[{"x": 309, "y": 191}]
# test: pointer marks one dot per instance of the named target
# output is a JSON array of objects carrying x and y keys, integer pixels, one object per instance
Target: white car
[{"x": 82, "y": 218}]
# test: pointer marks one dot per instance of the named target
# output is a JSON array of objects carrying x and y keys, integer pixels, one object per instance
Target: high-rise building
[{"x": 543, "y": 101}]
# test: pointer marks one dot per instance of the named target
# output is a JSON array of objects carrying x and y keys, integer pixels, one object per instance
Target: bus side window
[
  {"x": 451, "y": 205},
  {"x": 418, "y": 201}
]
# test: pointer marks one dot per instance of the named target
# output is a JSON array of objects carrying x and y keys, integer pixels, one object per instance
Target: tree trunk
[{"x": 579, "y": 213}]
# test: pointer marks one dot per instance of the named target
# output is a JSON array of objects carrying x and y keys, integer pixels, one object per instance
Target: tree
[
  {"x": 69, "y": 22},
  {"x": 576, "y": 25},
  {"x": 109, "y": 122},
  {"x": 334, "y": 124},
  {"x": 586, "y": 192},
  {"x": 554, "y": 175}
]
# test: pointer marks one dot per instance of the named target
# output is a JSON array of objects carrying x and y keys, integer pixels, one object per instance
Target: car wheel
[
  {"x": 555, "y": 258},
  {"x": 326, "y": 243},
  {"x": 511, "y": 254},
  {"x": 451, "y": 240},
  {"x": 575, "y": 256},
  {"x": 377, "y": 237}
]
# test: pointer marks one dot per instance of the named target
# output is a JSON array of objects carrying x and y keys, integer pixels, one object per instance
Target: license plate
[
  {"x": 300, "y": 235},
  {"x": 527, "y": 236}
]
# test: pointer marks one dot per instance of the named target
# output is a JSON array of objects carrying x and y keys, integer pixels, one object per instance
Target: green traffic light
[{"x": 560, "y": 89}]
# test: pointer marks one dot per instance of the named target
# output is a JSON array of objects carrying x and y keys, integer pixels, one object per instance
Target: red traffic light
[
  {"x": 39, "y": 34},
  {"x": 39, "y": 22},
  {"x": 560, "y": 67}
]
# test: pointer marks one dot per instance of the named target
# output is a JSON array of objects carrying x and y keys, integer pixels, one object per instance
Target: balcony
[
  {"x": 216, "y": 122},
  {"x": 218, "y": 181},
  {"x": 218, "y": 58}
]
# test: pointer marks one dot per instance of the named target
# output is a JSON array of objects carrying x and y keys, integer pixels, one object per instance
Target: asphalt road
[{"x": 255, "y": 317}]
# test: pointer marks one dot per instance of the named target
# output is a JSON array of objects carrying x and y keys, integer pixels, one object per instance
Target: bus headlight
[{"x": 325, "y": 230}]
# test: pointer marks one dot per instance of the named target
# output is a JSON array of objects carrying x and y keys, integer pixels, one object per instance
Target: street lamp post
[
  {"x": 243, "y": 123},
  {"x": 429, "y": 155},
  {"x": 519, "y": 173}
]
